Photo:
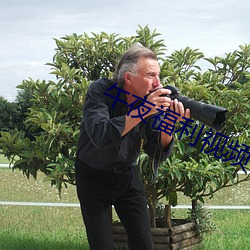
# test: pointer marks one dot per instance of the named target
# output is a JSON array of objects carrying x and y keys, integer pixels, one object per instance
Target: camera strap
[{"x": 157, "y": 157}]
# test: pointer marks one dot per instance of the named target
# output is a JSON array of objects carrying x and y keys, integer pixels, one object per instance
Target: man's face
[{"x": 147, "y": 78}]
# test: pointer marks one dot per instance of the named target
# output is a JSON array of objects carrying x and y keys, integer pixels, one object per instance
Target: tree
[
  {"x": 56, "y": 108},
  {"x": 23, "y": 103},
  {"x": 10, "y": 115},
  {"x": 13, "y": 114},
  {"x": 195, "y": 171}
]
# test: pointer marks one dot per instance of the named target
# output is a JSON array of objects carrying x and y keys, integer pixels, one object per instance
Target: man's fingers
[{"x": 178, "y": 107}]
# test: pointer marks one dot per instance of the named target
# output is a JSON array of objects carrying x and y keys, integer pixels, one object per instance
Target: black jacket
[{"x": 101, "y": 145}]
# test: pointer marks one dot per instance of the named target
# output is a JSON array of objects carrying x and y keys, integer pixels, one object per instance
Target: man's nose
[{"x": 157, "y": 82}]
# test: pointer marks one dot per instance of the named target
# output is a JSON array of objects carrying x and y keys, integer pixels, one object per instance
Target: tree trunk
[
  {"x": 152, "y": 207},
  {"x": 194, "y": 205},
  {"x": 168, "y": 216}
]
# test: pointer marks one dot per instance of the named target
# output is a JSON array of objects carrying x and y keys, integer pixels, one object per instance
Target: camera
[{"x": 211, "y": 115}]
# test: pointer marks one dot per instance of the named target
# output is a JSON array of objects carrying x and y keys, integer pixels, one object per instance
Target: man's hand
[
  {"x": 177, "y": 107},
  {"x": 160, "y": 102},
  {"x": 163, "y": 102}
]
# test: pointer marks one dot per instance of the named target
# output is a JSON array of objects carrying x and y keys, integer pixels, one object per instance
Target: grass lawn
[
  {"x": 35, "y": 228},
  {"x": 61, "y": 228},
  {"x": 45, "y": 228},
  {"x": 233, "y": 231},
  {"x": 3, "y": 159}
]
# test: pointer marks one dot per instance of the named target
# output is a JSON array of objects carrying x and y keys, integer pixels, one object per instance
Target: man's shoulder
[{"x": 101, "y": 84}]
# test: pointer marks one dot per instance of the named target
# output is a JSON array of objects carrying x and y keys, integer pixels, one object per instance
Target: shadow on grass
[{"x": 12, "y": 242}]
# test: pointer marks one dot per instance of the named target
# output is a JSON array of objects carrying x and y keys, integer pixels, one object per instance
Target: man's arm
[
  {"x": 178, "y": 108},
  {"x": 131, "y": 122}
]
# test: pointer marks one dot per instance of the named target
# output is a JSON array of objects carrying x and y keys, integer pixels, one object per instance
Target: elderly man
[{"x": 112, "y": 129}]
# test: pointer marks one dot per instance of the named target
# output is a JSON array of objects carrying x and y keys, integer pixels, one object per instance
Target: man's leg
[
  {"x": 95, "y": 192},
  {"x": 97, "y": 220},
  {"x": 132, "y": 210}
]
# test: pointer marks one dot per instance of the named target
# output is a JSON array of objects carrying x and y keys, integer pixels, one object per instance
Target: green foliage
[
  {"x": 190, "y": 170},
  {"x": 91, "y": 56},
  {"x": 146, "y": 37},
  {"x": 53, "y": 126},
  {"x": 10, "y": 115},
  {"x": 48, "y": 141},
  {"x": 202, "y": 218}
]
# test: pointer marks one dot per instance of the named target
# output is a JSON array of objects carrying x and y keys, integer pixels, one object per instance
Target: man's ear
[{"x": 128, "y": 78}]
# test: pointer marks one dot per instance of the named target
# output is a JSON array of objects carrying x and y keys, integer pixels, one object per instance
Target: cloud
[{"x": 28, "y": 27}]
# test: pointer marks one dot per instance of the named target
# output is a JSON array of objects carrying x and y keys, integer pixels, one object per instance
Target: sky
[{"x": 28, "y": 29}]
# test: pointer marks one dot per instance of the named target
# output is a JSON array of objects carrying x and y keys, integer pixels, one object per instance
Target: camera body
[
  {"x": 174, "y": 92},
  {"x": 211, "y": 115}
]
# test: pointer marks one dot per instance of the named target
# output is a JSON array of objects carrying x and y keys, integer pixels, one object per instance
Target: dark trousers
[{"x": 98, "y": 191}]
